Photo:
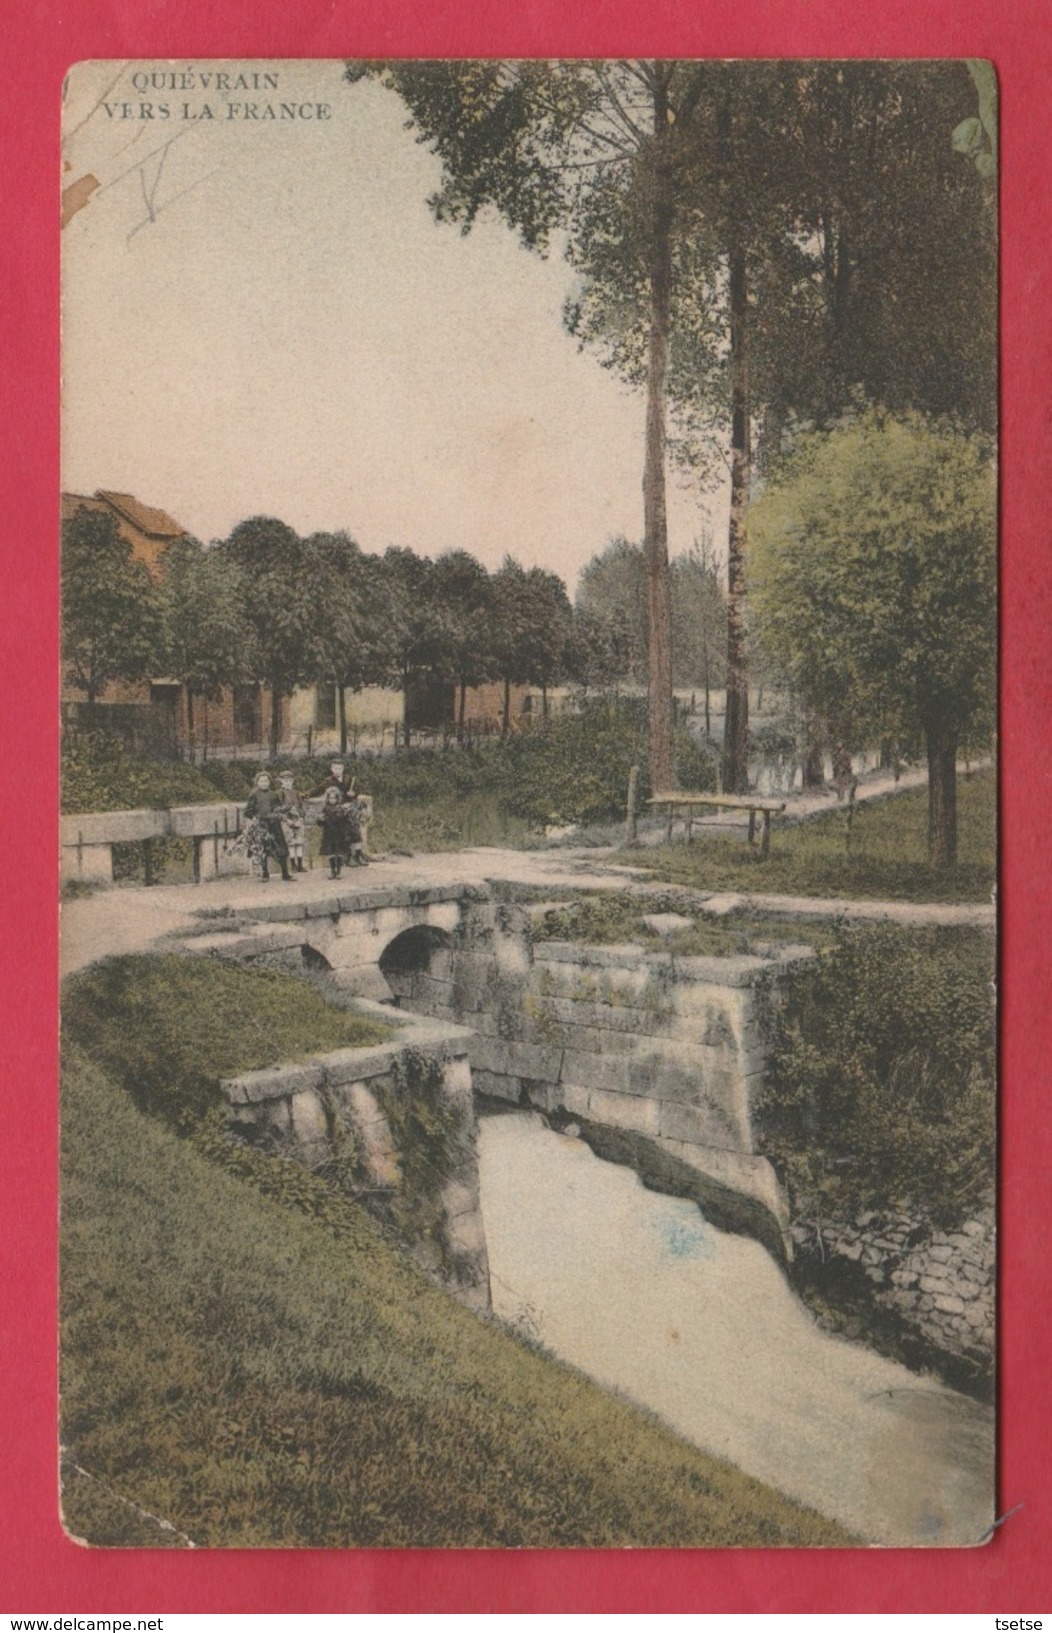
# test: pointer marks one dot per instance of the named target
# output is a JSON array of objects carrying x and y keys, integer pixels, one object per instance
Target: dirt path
[{"x": 133, "y": 918}]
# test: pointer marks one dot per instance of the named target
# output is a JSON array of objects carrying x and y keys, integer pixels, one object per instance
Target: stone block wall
[
  {"x": 336, "y": 1108},
  {"x": 663, "y": 1049}
]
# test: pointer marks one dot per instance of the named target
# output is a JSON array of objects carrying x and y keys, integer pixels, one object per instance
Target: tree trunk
[
  {"x": 505, "y": 724},
  {"x": 463, "y": 711},
  {"x": 655, "y": 520},
  {"x": 275, "y": 721},
  {"x": 191, "y": 735},
  {"x": 941, "y": 741},
  {"x": 736, "y": 721},
  {"x": 705, "y": 660},
  {"x": 544, "y": 700},
  {"x": 813, "y": 769},
  {"x": 341, "y": 697}
]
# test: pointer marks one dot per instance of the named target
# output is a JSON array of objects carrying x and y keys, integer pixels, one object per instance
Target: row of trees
[
  {"x": 766, "y": 247},
  {"x": 612, "y": 604},
  {"x": 266, "y": 605}
]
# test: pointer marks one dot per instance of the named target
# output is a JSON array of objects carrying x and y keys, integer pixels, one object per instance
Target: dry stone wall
[{"x": 939, "y": 1284}]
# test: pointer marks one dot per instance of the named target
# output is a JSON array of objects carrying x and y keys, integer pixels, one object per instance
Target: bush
[
  {"x": 879, "y": 1091},
  {"x": 570, "y": 769},
  {"x": 168, "y": 1028},
  {"x": 100, "y": 774}
]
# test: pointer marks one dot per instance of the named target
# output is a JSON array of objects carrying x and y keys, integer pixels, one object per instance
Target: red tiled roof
[
  {"x": 72, "y": 502},
  {"x": 156, "y": 524}
]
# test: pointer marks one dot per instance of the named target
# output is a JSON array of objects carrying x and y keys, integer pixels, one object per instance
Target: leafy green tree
[
  {"x": 699, "y": 623},
  {"x": 205, "y": 643},
  {"x": 419, "y": 635},
  {"x": 899, "y": 304},
  {"x": 611, "y": 593},
  {"x": 610, "y": 601},
  {"x": 873, "y": 564},
  {"x": 511, "y": 621},
  {"x": 353, "y": 631},
  {"x": 111, "y": 628},
  {"x": 282, "y": 587},
  {"x": 734, "y": 261},
  {"x": 595, "y": 659},
  {"x": 975, "y": 137},
  {"x": 464, "y": 590},
  {"x": 829, "y": 249},
  {"x": 548, "y": 631},
  {"x": 533, "y": 630}
]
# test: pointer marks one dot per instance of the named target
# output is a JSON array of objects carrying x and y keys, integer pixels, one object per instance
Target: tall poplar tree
[{"x": 582, "y": 147}]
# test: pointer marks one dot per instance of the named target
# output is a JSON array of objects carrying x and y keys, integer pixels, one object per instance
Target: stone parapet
[{"x": 330, "y": 1109}]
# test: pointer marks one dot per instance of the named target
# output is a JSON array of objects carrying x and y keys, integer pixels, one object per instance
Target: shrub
[
  {"x": 879, "y": 1090},
  {"x": 100, "y": 774},
  {"x": 571, "y": 769}
]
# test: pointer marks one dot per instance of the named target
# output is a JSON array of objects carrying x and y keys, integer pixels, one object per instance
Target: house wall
[{"x": 370, "y": 712}]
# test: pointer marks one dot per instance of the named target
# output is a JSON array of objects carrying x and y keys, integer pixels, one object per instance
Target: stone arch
[{"x": 409, "y": 956}]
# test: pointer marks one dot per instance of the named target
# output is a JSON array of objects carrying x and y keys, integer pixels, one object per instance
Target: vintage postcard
[{"x": 529, "y": 585}]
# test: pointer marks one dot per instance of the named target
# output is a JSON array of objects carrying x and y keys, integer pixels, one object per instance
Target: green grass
[
  {"x": 168, "y": 1028},
  {"x": 888, "y": 857},
  {"x": 604, "y": 917},
  {"x": 259, "y": 1374},
  {"x": 576, "y": 771}
]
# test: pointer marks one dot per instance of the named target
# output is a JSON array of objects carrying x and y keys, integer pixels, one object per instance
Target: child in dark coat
[
  {"x": 293, "y": 819},
  {"x": 335, "y": 830},
  {"x": 354, "y": 805}
]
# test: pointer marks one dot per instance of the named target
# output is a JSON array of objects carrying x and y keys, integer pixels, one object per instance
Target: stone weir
[{"x": 656, "y": 1059}]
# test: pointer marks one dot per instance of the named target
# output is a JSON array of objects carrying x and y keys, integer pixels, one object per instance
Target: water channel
[{"x": 640, "y": 1292}]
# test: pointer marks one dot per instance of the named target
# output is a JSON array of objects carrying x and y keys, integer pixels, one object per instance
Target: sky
[{"x": 262, "y": 317}]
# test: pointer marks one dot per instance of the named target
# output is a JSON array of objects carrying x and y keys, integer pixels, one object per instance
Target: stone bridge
[{"x": 656, "y": 1059}]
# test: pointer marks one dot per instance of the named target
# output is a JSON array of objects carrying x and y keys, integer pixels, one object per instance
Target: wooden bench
[{"x": 689, "y": 803}]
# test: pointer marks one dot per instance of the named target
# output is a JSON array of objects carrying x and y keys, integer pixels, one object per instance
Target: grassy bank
[
  {"x": 572, "y": 770},
  {"x": 258, "y": 1373},
  {"x": 887, "y": 860}
]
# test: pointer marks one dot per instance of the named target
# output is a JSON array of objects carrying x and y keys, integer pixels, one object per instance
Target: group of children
[{"x": 276, "y": 822}]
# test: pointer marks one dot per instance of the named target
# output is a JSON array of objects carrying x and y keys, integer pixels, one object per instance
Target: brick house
[{"x": 153, "y": 712}]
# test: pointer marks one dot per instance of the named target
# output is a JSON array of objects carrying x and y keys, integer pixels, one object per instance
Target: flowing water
[{"x": 641, "y": 1293}]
